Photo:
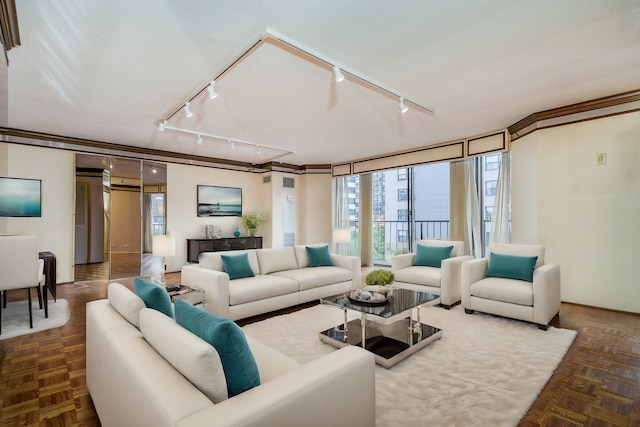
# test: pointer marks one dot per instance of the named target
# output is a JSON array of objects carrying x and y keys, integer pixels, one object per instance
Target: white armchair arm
[
  {"x": 399, "y": 262},
  {"x": 215, "y": 285},
  {"x": 335, "y": 390},
  {"x": 350, "y": 263},
  {"x": 450, "y": 278},
  {"x": 546, "y": 293},
  {"x": 472, "y": 271}
]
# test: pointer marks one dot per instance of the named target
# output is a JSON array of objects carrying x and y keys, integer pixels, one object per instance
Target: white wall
[
  {"x": 55, "y": 228},
  {"x": 182, "y": 220},
  {"x": 314, "y": 199},
  {"x": 586, "y": 215}
]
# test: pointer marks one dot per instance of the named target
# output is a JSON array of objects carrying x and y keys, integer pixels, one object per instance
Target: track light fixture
[
  {"x": 199, "y": 141},
  {"x": 403, "y": 107},
  {"x": 187, "y": 111},
  {"x": 212, "y": 92},
  {"x": 258, "y": 149},
  {"x": 338, "y": 74},
  {"x": 161, "y": 125}
]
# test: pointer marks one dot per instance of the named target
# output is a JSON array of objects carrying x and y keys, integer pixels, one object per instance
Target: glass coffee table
[{"x": 391, "y": 331}]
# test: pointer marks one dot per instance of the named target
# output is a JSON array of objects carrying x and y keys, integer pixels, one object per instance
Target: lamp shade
[
  {"x": 341, "y": 235},
  {"x": 164, "y": 245}
]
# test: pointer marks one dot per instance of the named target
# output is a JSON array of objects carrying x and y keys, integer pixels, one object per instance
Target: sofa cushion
[
  {"x": 458, "y": 246},
  {"x": 431, "y": 256},
  {"x": 237, "y": 266},
  {"x": 506, "y": 290},
  {"x": 193, "y": 357},
  {"x": 213, "y": 260},
  {"x": 240, "y": 368},
  {"x": 519, "y": 250},
  {"x": 511, "y": 266},
  {"x": 242, "y": 291},
  {"x": 302, "y": 257},
  {"x": 428, "y": 276},
  {"x": 276, "y": 259},
  {"x": 125, "y": 302},
  {"x": 153, "y": 296},
  {"x": 319, "y": 256},
  {"x": 315, "y": 277}
]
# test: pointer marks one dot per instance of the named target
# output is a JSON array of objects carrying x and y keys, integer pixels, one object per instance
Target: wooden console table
[{"x": 196, "y": 246}]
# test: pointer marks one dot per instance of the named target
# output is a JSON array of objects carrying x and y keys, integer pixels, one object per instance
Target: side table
[{"x": 195, "y": 297}]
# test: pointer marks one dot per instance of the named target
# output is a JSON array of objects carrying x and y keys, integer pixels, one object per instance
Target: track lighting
[
  {"x": 199, "y": 141},
  {"x": 258, "y": 149},
  {"x": 338, "y": 74},
  {"x": 212, "y": 92},
  {"x": 403, "y": 107},
  {"x": 161, "y": 125},
  {"x": 187, "y": 111},
  {"x": 232, "y": 145}
]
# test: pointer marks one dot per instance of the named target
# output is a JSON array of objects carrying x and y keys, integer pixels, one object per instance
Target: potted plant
[{"x": 252, "y": 221}]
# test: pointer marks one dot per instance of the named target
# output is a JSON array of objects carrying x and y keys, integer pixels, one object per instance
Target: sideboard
[{"x": 196, "y": 246}]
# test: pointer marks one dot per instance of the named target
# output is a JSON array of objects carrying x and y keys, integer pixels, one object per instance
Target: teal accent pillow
[
  {"x": 237, "y": 266},
  {"x": 227, "y": 338},
  {"x": 431, "y": 256},
  {"x": 154, "y": 296},
  {"x": 319, "y": 256},
  {"x": 512, "y": 266}
]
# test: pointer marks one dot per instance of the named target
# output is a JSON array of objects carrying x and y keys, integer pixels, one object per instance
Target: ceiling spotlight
[
  {"x": 403, "y": 108},
  {"x": 338, "y": 74},
  {"x": 258, "y": 149},
  {"x": 199, "y": 139},
  {"x": 212, "y": 92},
  {"x": 161, "y": 126},
  {"x": 154, "y": 170},
  {"x": 187, "y": 111},
  {"x": 232, "y": 144}
]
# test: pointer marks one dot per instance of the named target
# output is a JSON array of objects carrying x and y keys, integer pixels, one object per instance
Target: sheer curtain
[
  {"x": 500, "y": 221},
  {"x": 464, "y": 206}
]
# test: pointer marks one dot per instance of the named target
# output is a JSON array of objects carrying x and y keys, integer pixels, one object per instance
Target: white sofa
[
  {"x": 444, "y": 281},
  {"x": 282, "y": 279},
  {"x": 132, "y": 384}
]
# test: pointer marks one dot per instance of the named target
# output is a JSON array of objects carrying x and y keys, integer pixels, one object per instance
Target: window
[
  {"x": 490, "y": 188},
  {"x": 491, "y": 162},
  {"x": 402, "y": 174},
  {"x": 488, "y": 213},
  {"x": 402, "y": 194},
  {"x": 403, "y": 214},
  {"x": 403, "y": 236}
]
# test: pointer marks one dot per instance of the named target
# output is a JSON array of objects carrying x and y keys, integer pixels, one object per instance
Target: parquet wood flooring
[{"x": 42, "y": 375}]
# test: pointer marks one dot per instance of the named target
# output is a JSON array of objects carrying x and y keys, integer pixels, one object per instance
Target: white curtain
[
  {"x": 500, "y": 220},
  {"x": 340, "y": 215},
  {"x": 366, "y": 220},
  {"x": 465, "y": 208}
]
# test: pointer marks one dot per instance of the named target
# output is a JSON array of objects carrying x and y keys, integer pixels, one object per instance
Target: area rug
[
  {"x": 486, "y": 370},
  {"x": 15, "y": 318}
]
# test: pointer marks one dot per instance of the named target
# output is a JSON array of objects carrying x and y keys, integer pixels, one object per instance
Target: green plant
[
  {"x": 252, "y": 221},
  {"x": 379, "y": 278}
]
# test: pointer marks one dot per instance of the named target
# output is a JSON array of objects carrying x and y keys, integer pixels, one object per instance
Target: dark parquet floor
[{"x": 42, "y": 375}]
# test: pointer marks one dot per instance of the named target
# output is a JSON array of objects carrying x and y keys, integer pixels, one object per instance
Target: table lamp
[{"x": 163, "y": 246}]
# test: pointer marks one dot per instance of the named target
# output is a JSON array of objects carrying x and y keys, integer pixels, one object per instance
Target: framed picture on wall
[
  {"x": 20, "y": 197},
  {"x": 219, "y": 201}
]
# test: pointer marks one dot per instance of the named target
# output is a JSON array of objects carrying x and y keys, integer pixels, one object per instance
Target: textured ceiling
[{"x": 110, "y": 71}]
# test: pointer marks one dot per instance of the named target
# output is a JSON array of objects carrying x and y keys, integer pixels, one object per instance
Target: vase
[
  {"x": 236, "y": 233},
  {"x": 252, "y": 232}
]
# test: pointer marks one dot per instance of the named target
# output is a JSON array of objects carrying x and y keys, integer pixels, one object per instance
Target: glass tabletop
[{"x": 398, "y": 301}]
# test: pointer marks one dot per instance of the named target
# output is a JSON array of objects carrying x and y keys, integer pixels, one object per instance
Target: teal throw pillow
[
  {"x": 237, "y": 266},
  {"x": 238, "y": 363},
  {"x": 431, "y": 256},
  {"x": 512, "y": 266},
  {"x": 319, "y": 256},
  {"x": 154, "y": 296}
]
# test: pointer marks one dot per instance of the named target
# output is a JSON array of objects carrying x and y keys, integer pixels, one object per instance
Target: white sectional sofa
[
  {"x": 283, "y": 278},
  {"x": 131, "y": 382}
]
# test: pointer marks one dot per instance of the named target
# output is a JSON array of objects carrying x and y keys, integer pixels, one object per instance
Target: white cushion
[
  {"x": 193, "y": 357},
  {"x": 125, "y": 302},
  {"x": 420, "y": 275},
  {"x": 276, "y": 259},
  {"x": 315, "y": 277},
  {"x": 505, "y": 290},
  {"x": 249, "y": 289}
]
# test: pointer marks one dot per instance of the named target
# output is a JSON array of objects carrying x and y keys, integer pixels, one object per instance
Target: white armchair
[
  {"x": 536, "y": 301},
  {"x": 444, "y": 281},
  {"x": 20, "y": 266}
]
